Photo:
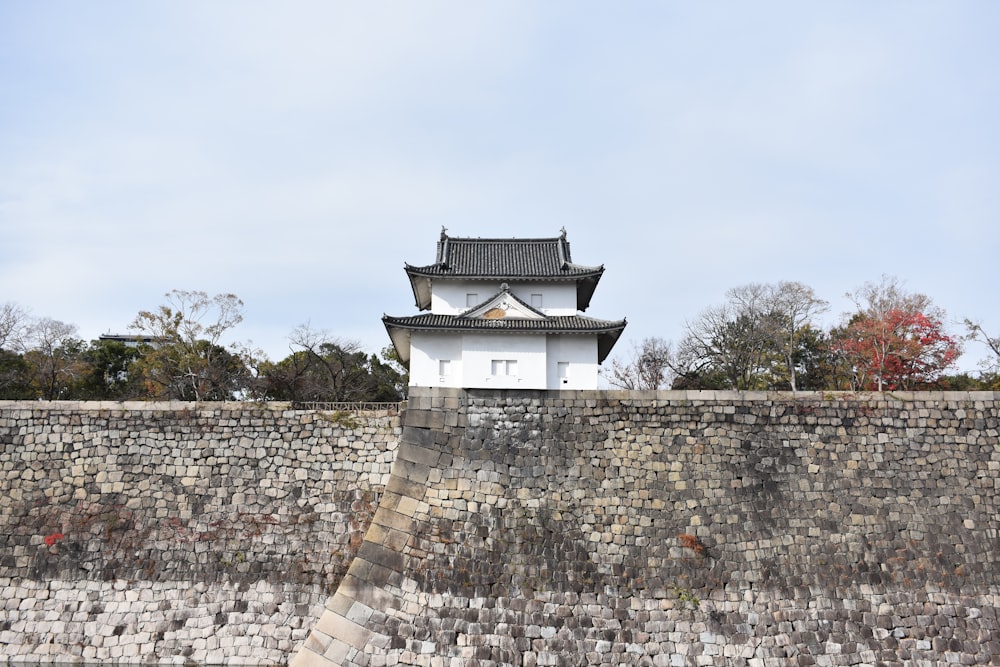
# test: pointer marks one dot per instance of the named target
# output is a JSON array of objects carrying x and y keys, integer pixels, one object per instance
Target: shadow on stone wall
[
  {"x": 679, "y": 528},
  {"x": 215, "y": 530}
]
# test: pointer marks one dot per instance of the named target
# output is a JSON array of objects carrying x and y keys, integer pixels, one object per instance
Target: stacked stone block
[
  {"x": 679, "y": 528},
  {"x": 160, "y": 532}
]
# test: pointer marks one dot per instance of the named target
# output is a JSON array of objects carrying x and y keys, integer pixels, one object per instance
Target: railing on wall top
[{"x": 388, "y": 409}]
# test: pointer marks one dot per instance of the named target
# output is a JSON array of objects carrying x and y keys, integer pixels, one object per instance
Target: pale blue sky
[{"x": 297, "y": 153}]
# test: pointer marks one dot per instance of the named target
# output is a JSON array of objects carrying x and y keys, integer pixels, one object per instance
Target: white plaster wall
[
  {"x": 426, "y": 352},
  {"x": 580, "y": 351},
  {"x": 449, "y": 297},
  {"x": 471, "y": 357},
  {"x": 480, "y": 350},
  {"x": 557, "y": 298}
]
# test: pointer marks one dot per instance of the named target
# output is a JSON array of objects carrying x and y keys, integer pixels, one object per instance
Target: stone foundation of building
[{"x": 506, "y": 528}]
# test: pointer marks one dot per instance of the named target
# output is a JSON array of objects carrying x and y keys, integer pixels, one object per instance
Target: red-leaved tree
[{"x": 896, "y": 349}]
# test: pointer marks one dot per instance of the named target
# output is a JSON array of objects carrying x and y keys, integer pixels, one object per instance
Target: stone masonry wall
[
  {"x": 177, "y": 532},
  {"x": 679, "y": 528}
]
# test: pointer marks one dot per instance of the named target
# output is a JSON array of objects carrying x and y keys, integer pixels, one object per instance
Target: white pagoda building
[{"x": 503, "y": 314}]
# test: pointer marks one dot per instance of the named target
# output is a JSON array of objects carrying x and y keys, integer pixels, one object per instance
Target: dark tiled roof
[
  {"x": 505, "y": 258},
  {"x": 607, "y": 331},
  {"x": 561, "y": 324}
]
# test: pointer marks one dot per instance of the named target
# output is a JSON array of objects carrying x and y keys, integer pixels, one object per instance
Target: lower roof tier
[{"x": 607, "y": 331}]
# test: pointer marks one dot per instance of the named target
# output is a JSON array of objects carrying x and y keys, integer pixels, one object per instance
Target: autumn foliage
[
  {"x": 896, "y": 349},
  {"x": 692, "y": 542}
]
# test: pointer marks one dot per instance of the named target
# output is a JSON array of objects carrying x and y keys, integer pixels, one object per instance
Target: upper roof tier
[{"x": 512, "y": 260}]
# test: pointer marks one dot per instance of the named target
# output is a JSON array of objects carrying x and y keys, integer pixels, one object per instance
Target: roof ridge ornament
[
  {"x": 445, "y": 247},
  {"x": 503, "y": 325},
  {"x": 512, "y": 260}
]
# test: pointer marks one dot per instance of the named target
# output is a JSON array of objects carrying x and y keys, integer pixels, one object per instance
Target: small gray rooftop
[{"x": 541, "y": 259}]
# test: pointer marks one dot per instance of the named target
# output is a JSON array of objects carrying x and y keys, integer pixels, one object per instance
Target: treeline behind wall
[{"x": 177, "y": 352}]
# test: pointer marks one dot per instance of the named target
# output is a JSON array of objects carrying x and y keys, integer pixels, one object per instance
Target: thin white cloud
[{"x": 298, "y": 155}]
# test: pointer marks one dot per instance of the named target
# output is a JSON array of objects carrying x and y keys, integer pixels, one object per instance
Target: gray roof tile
[
  {"x": 556, "y": 323},
  {"x": 548, "y": 258},
  {"x": 608, "y": 331}
]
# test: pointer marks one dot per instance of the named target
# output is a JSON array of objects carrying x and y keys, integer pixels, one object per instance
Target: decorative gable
[
  {"x": 513, "y": 260},
  {"x": 503, "y": 306}
]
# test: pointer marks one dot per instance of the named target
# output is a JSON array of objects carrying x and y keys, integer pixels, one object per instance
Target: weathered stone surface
[
  {"x": 691, "y": 528},
  {"x": 168, "y": 531},
  {"x": 527, "y": 528}
]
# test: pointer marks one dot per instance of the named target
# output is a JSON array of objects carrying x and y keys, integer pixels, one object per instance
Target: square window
[{"x": 503, "y": 367}]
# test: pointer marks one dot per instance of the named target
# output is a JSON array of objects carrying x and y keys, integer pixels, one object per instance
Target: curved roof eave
[
  {"x": 585, "y": 289},
  {"x": 607, "y": 341},
  {"x": 457, "y": 324},
  {"x": 422, "y": 277},
  {"x": 400, "y": 340},
  {"x": 607, "y": 331},
  {"x": 421, "y": 285},
  {"x": 435, "y": 271}
]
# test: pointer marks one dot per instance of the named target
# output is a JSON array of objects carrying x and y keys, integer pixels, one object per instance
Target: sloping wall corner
[
  {"x": 679, "y": 528},
  {"x": 379, "y": 596}
]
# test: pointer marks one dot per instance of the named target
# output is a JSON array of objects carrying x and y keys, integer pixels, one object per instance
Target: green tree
[
  {"x": 966, "y": 382},
  {"x": 700, "y": 377},
  {"x": 793, "y": 307},
  {"x": 110, "y": 372},
  {"x": 15, "y": 376},
  {"x": 390, "y": 377},
  {"x": 291, "y": 379},
  {"x": 329, "y": 369},
  {"x": 816, "y": 366}
]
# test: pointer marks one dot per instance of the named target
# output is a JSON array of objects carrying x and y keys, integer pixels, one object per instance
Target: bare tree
[
  {"x": 190, "y": 316},
  {"x": 53, "y": 353},
  {"x": 736, "y": 338},
  {"x": 324, "y": 368},
  {"x": 977, "y": 333},
  {"x": 751, "y": 341},
  {"x": 795, "y": 306},
  {"x": 648, "y": 367},
  {"x": 186, "y": 359},
  {"x": 14, "y": 322},
  {"x": 888, "y": 294},
  {"x": 340, "y": 362}
]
